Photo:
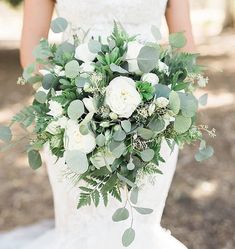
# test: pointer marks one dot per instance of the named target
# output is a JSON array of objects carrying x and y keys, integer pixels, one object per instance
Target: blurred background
[{"x": 201, "y": 206}]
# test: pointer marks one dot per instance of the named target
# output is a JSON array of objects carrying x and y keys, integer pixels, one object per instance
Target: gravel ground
[{"x": 201, "y": 203}]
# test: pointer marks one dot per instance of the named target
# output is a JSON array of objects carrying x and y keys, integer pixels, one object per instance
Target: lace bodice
[{"x": 137, "y": 16}]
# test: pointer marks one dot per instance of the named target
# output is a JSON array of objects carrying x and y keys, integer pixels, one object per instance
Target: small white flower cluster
[{"x": 202, "y": 81}]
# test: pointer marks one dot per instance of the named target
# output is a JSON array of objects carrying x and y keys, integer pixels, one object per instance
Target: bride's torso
[{"x": 136, "y": 16}]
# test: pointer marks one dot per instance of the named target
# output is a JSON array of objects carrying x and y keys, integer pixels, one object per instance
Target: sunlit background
[{"x": 200, "y": 208}]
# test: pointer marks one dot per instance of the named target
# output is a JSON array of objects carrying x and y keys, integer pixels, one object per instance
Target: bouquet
[{"x": 107, "y": 106}]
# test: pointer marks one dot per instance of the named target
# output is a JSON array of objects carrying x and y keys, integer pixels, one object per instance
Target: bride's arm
[
  {"x": 178, "y": 19},
  {"x": 37, "y": 18}
]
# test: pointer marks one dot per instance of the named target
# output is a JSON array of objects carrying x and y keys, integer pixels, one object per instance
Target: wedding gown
[{"x": 90, "y": 227}]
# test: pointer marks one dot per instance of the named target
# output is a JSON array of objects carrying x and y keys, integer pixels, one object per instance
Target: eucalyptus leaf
[
  {"x": 162, "y": 91},
  {"x": 83, "y": 129},
  {"x": 81, "y": 81},
  {"x": 119, "y": 135},
  {"x": 49, "y": 81},
  {"x": 157, "y": 125},
  {"x": 120, "y": 214},
  {"x": 204, "y": 154},
  {"x": 5, "y": 133},
  {"x": 203, "y": 99},
  {"x": 41, "y": 97},
  {"x": 126, "y": 125},
  {"x": 177, "y": 40},
  {"x": 174, "y": 102},
  {"x": 94, "y": 46},
  {"x": 34, "y": 159},
  {"x": 72, "y": 69},
  {"x": 188, "y": 104},
  {"x": 182, "y": 124},
  {"x": 100, "y": 140},
  {"x": 147, "y": 59},
  {"x": 76, "y": 109},
  {"x": 102, "y": 158},
  {"x": 143, "y": 211},
  {"x": 147, "y": 155},
  {"x": 127, "y": 181},
  {"x": 130, "y": 165},
  {"x": 117, "y": 148},
  {"x": 77, "y": 161},
  {"x": 128, "y": 237},
  {"x": 59, "y": 25},
  {"x": 145, "y": 133},
  {"x": 118, "y": 69},
  {"x": 134, "y": 195}
]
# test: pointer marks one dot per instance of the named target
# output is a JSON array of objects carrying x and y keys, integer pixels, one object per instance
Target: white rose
[
  {"x": 55, "y": 126},
  {"x": 89, "y": 104},
  {"x": 74, "y": 140},
  {"x": 133, "y": 49},
  {"x": 163, "y": 68},
  {"x": 58, "y": 70},
  {"x": 162, "y": 102},
  {"x": 122, "y": 96},
  {"x": 150, "y": 78},
  {"x": 84, "y": 54},
  {"x": 87, "y": 67},
  {"x": 56, "y": 109}
]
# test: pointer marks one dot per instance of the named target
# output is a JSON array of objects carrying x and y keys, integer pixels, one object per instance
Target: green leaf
[
  {"x": 120, "y": 214},
  {"x": 174, "y": 102},
  {"x": 203, "y": 99},
  {"x": 96, "y": 197},
  {"x": 119, "y": 135},
  {"x": 126, "y": 125},
  {"x": 94, "y": 46},
  {"x": 5, "y": 133},
  {"x": 100, "y": 140},
  {"x": 134, "y": 195},
  {"x": 147, "y": 155},
  {"x": 81, "y": 81},
  {"x": 41, "y": 97},
  {"x": 156, "y": 33},
  {"x": 127, "y": 181},
  {"x": 72, "y": 69},
  {"x": 128, "y": 237},
  {"x": 76, "y": 109},
  {"x": 34, "y": 159},
  {"x": 143, "y": 211},
  {"x": 188, "y": 104},
  {"x": 180, "y": 86},
  {"x": 162, "y": 91},
  {"x": 117, "y": 148},
  {"x": 156, "y": 125},
  {"x": 102, "y": 158},
  {"x": 77, "y": 161},
  {"x": 59, "y": 25},
  {"x": 49, "y": 80},
  {"x": 147, "y": 59},
  {"x": 204, "y": 154},
  {"x": 182, "y": 124},
  {"x": 145, "y": 133},
  {"x": 118, "y": 69},
  {"x": 177, "y": 40},
  {"x": 130, "y": 165}
]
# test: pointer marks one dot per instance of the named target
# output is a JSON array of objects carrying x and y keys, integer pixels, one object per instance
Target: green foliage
[
  {"x": 25, "y": 117},
  {"x": 147, "y": 59},
  {"x": 145, "y": 89},
  {"x": 128, "y": 237},
  {"x": 34, "y": 159},
  {"x": 59, "y": 25},
  {"x": 5, "y": 134}
]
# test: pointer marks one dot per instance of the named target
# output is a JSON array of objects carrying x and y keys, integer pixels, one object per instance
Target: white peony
[
  {"x": 122, "y": 96},
  {"x": 162, "y": 102},
  {"x": 56, "y": 109},
  {"x": 87, "y": 67},
  {"x": 89, "y": 104},
  {"x": 84, "y": 54},
  {"x": 55, "y": 126},
  {"x": 150, "y": 78},
  {"x": 163, "y": 68},
  {"x": 133, "y": 49},
  {"x": 74, "y": 140}
]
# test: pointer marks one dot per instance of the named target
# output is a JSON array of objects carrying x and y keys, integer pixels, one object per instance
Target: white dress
[{"x": 90, "y": 227}]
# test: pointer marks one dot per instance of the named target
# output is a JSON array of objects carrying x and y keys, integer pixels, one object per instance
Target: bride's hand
[
  {"x": 178, "y": 20},
  {"x": 37, "y": 19}
]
